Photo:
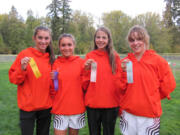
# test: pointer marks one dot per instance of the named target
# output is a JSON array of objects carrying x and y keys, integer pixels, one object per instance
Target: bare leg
[
  {"x": 60, "y": 132},
  {"x": 73, "y": 131}
]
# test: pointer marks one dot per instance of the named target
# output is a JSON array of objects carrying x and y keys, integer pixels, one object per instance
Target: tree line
[{"x": 16, "y": 33}]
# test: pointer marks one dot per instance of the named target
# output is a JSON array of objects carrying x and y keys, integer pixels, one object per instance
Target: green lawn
[{"x": 9, "y": 115}]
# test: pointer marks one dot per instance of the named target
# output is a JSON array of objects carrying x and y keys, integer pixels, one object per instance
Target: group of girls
[{"x": 69, "y": 86}]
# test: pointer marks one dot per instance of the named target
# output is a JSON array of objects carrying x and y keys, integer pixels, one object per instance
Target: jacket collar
[
  {"x": 38, "y": 53},
  {"x": 68, "y": 59},
  {"x": 147, "y": 53}
]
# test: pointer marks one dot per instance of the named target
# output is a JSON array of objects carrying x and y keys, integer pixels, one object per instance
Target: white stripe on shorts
[{"x": 62, "y": 122}]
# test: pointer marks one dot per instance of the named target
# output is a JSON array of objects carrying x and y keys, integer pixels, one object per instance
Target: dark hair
[
  {"x": 49, "y": 48},
  {"x": 109, "y": 48},
  {"x": 67, "y": 35}
]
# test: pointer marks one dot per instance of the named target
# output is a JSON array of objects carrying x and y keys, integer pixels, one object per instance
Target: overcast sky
[{"x": 94, "y": 7}]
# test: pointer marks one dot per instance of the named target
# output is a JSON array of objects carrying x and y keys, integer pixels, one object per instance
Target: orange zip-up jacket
[
  {"x": 103, "y": 93},
  {"x": 32, "y": 93},
  {"x": 69, "y": 98},
  {"x": 153, "y": 81}
]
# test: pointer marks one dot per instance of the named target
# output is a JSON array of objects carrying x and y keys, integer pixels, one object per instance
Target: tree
[
  {"x": 168, "y": 15},
  {"x": 160, "y": 39},
  {"x": 12, "y": 29},
  {"x": 54, "y": 14},
  {"x": 81, "y": 26},
  {"x": 119, "y": 23},
  {"x": 31, "y": 23},
  {"x": 2, "y": 45},
  {"x": 66, "y": 13},
  {"x": 171, "y": 19},
  {"x": 13, "y": 14},
  {"x": 172, "y": 12},
  {"x": 60, "y": 13},
  {"x": 176, "y": 11},
  {"x": 4, "y": 30}
]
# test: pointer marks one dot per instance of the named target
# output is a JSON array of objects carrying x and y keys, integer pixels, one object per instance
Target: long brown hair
[
  {"x": 49, "y": 48},
  {"x": 109, "y": 48}
]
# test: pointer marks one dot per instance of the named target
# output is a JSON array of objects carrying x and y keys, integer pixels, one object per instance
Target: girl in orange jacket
[
  {"x": 152, "y": 81},
  {"x": 68, "y": 104},
  {"x": 31, "y": 73},
  {"x": 102, "y": 95}
]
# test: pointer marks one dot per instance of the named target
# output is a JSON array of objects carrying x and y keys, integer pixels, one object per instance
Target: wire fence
[{"x": 172, "y": 58}]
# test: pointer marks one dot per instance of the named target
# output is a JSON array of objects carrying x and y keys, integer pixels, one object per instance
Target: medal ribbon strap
[
  {"x": 34, "y": 68},
  {"x": 56, "y": 80},
  {"x": 93, "y": 72},
  {"x": 129, "y": 72}
]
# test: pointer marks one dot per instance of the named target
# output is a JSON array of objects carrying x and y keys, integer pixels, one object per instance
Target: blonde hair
[{"x": 142, "y": 34}]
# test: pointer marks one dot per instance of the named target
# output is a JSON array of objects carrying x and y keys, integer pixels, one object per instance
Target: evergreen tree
[
  {"x": 12, "y": 31},
  {"x": 176, "y": 12},
  {"x": 54, "y": 14},
  {"x": 60, "y": 13},
  {"x": 172, "y": 13},
  {"x": 13, "y": 13},
  {"x": 66, "y": 14},
  {"x": 31, "y": 23},
  {"x": 167, "y": 15},
  {"x": 16, "y": 30},
  {"x": 171, "y": 19},
  {"x": 2, "y": 45}
]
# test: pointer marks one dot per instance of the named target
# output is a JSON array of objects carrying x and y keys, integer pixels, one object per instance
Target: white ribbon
[
  {"x": 93, "y": 72},
  {"x": 129, "y": 72}
]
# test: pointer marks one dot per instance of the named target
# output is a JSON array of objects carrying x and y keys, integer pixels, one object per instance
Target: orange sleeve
[
  {"x": 85, "y": 79},
  {"x": 52, "y": 90},
  {"x": 166, "y": 79},
  {"x": 120, "y": 77},
  {"x": 85, "y": 76},
  {"x": 16, "y": 74}
]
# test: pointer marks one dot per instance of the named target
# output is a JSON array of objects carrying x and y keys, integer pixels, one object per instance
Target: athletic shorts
[
  {"x": 62, "y": 122},
  {"x": 137, "y": 125}
]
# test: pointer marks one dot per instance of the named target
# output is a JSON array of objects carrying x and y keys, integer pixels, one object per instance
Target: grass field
[{"x": 9, "y": 113}]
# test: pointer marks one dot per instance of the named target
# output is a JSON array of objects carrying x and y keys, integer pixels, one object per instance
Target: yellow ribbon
[{"x": 34, "y": 68}]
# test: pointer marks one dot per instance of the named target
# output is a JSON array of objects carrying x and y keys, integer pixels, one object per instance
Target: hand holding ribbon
[{"x": 25, "y": 62}]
